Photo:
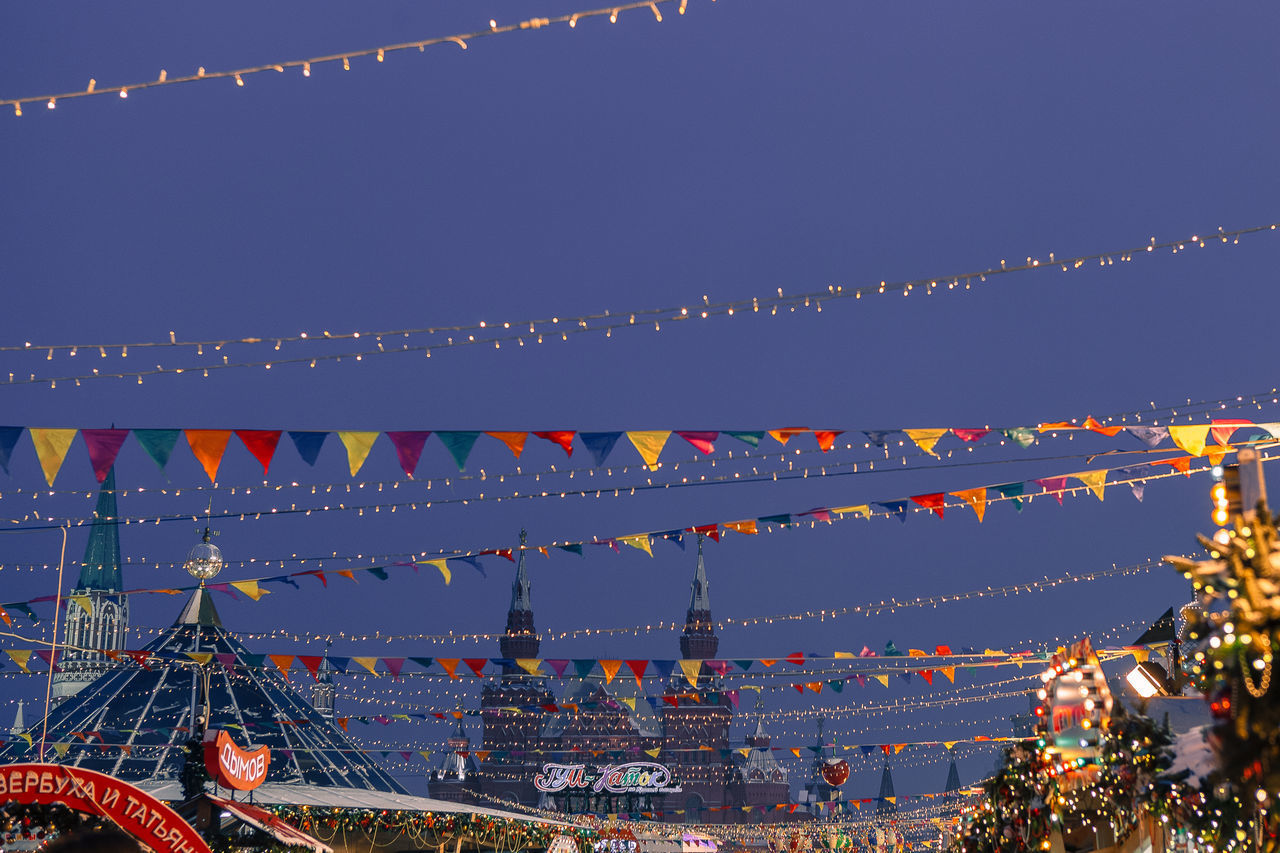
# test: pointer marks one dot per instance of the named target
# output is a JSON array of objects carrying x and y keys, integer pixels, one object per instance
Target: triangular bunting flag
[
  {"x": 370, "y": 664},
  {"x": 529, "y": 665},
  {"x": 459, "y": 444},
  {"x": 751, "y": 438},
  {"x": 261, "y": 443},
  {"x": 863, "y": 510},
  {"x": 600, "y": 444},
  {"x": 513, "y": 440},
  {"x": 583, "y": 666},
  {"x": 563, "y": 437},
  {"x": 935, "y": 502},
  {"x": 976, "y": 498},
  {"x": 637, "y": 668},
  {"x": 1013, "y": 492},
  {"x": 747, "y": 528},
  {"x": 925, "y": 439},
  {"x": 640, "y": 541},
  {"x": 1095, "y": 480},
  {"x": 1181, "y": 464},
  {"x": 476, "y": 665},
  {"x": 610, "y": 668},
  {"x": 1223, "y": 428},
  {"x": 283, "y": 663},
  {"x": 312, "y": 663},
  {"x": 649, "y": 444},
  {"x": 898, "y": 508},
  {"x": 20, "y": 657},
  {"x": 307, "y": 443},
  {"x": 1190, "y": 438},
  {"x": 691, "y": 668},
  {"x": 827, "y": 438},
  {"x": 408, "y": 445},
  {"x": 443, "y": 566},
  {"x": 1054, "y": 486},
  {"x": 558, "y": 665},
  {"x": 103, "y": 446},
  {"x": 1024, "y": 437},
  {"x": 782, "y": 436},
  {"x": 1148, "y": 435},
  {"x": 700, "y": 440},
  {"x": 250, "y": 588},
  {"x": 51, "y": 449},
  {"x": 208, "y": 445},
  {"x": 84, "y": 602},
  {"x": 358, "y": 445},
  {"x": 970, "y": 435}
]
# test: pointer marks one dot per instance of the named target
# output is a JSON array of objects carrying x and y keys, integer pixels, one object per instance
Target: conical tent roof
[{"x": 149, "y": 712}]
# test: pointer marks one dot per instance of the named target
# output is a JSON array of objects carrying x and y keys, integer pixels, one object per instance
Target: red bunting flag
[
  {"x": 1222, "y": 429},
  {"x": 476, "y": 665},
  {"x": 1182, "y": 463},
  {"x": 711, "y": 531},
  {"x": 261, "y": 443},
  {"x": 312, "y": 663},
  {"x": 564, "y": 438},
  {"x": 827, "y": 437},
  {"x": 970, "y": 435},
  {"x": 701, "y": 440},
  {"x": 638, "y": 667},
  {"x": 795, "y": 657},
  {"x": 1109, "y": 432},
  {"x": 935, "y": 502}
]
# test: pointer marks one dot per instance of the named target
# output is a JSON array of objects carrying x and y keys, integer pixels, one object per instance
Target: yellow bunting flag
[
  {"x": 51, "y": 448},
  {"x": 839, "y": 655},
  {"x": 747, "y": 528},
  {"x": 1190, "y": 438},
  {"x": 610, "y": 668},
  {"x": 449, "y": 664},
  {"x": 691, "y": 668},
  {"x": 250, "y": 588},
  {"x": 513, "y": 440},
  {"x": 201, "y": 658},
  {"x": 83, "y": 602},
  {"x": 1140, "y": 655},
  {"x": 950, "y": 743},
  {"x": 863, "y": 510},
  {"x": 883, "y": 679},
  {"x": 1095, "y": 480},
  {"x": 649, "y": 443},
  {"x": 20, "y": 657},
  {"x": 61, "y": 748},
  {"x": 745, "y": 752},
  {"x": 893, "y": 800},
  {"x": 358, "y": 445},
  {"x": 369, "y": 664},
  {"x": 442, "y": 565},
  {"x": 425, "y": 753},
  {"x": 976, "y": 498},
  {"x": 898, "y": 747},
  {"x": 208, "y": 445},
  {"x": 639, "y": 541},
  {"x": 925, "y": 439},
  {"x": 652, "y": 753},
  {"x": 529, "y": 665}
]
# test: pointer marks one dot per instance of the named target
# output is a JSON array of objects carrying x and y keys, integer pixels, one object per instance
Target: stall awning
[{"x": 270, "y": 824}]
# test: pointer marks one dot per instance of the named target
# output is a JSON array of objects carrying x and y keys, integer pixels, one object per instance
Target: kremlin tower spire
[
  {"x": 520, "y": 639},
  {"x": 699, "y": 638},
  {"x": 98, "y": 618}
]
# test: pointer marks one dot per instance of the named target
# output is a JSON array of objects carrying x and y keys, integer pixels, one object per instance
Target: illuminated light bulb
[
  {"x": 493, "y": 24},
  {"x": 613, "y": 18},
  {"x": 573, "y": 22},
  {"x": 124, "y": 93},
  {"x": 239, "y": 81},
  {"x": 306, "y": 69},
  {"x": 656, "y": 13},
  {"x": 51, "y": 104},
  {"x": 346, "y": 64},
  {"x": 381, "y": 55},
  {"x": 17, "y": 109}
]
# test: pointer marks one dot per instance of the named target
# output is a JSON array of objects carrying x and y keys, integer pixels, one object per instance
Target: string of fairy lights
[{"x": 514, "y": 333}]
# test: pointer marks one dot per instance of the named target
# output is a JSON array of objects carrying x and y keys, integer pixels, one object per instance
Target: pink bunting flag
[
  {"x": 936, "y": 502},
  {"x": 103, "y": 446},
  {"x": 394, "y": 665},
  {"x": 701, "y": 440},
  {"x": 261, "y": 443},
  {"x": 408, "y": 447},
  {"x": 818, "y": 514},
  {"x": 970, "y": 435},
  {"x": 558, "y": 666},
  {"x": 1054, "y": 486}
]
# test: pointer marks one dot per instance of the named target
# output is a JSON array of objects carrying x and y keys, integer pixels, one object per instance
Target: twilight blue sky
[{"x": 743, "y": 147}]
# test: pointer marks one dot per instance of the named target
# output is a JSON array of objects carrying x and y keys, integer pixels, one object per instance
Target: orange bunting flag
[
  {"x": 1109, "y": 432},
  {"x": 1095, "y": 480},
  {"x": 898, "y": 747},
  {"x": 51, "y": 448},
  {"x": 208, "y": 445},
  {"x": 925, "y": 439},
  {"x": 815, "y": 686},
  {"x": 935, "y": 503},
  {"x": 1216, "y": 454},
  {"x": 1182, "y": 463},
  {"x": 795, "y": 750},
  {"x": 450, "y": 664},
  {"x": 782, "y": 436},
  {"x": 4, "y": 614},
  {"x": 747, "y": 528},
  {"x": 250, "y": 588},
  {"x": 1190, "y": 438},
  {"x": 1056, "y": 425},
  {"x": 649, "y": 444},
  {"x": 949, "y": 672},
  {"x": 513, "y": 440},
  {"x": 283, "y": 663},
  {"x": 610, "y": 668},
  {"x": 976, "y": 498},
  {"x": 348, "y": 574},
  {"x": 358, "y": 445}
]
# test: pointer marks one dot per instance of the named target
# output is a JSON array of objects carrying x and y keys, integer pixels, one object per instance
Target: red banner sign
[
  {"x": 132, "y": 809},
  {"x": 233, "y": 767}
]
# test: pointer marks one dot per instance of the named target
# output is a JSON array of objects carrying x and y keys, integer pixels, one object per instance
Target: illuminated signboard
[
  {"x": 233, "y": 767},
  {"x": 1076, "y": 707},
  {"x": 635, "y": 777}
]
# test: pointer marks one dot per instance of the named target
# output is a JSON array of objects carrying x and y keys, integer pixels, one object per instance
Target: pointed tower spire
[
  {"x": 953, "y": 779},
  {"x": 521, "y": 639},
  {"x": 101, "y": 566},
  {"x": 887, "y": 801},
  {"x": 699, "y": 638},
  {"x": 759, "y": 739},
  {"x": 19, "y": 725}
]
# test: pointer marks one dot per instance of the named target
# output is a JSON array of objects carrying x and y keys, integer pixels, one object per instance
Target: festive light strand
[
  {"x": 498, "y": 333},
  {"x": 306, "y": 65}
]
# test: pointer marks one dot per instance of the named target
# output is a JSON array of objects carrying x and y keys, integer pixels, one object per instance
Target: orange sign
[
  {"x": 133, "y": 810},
  {"x": 233, "y": 767}
]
